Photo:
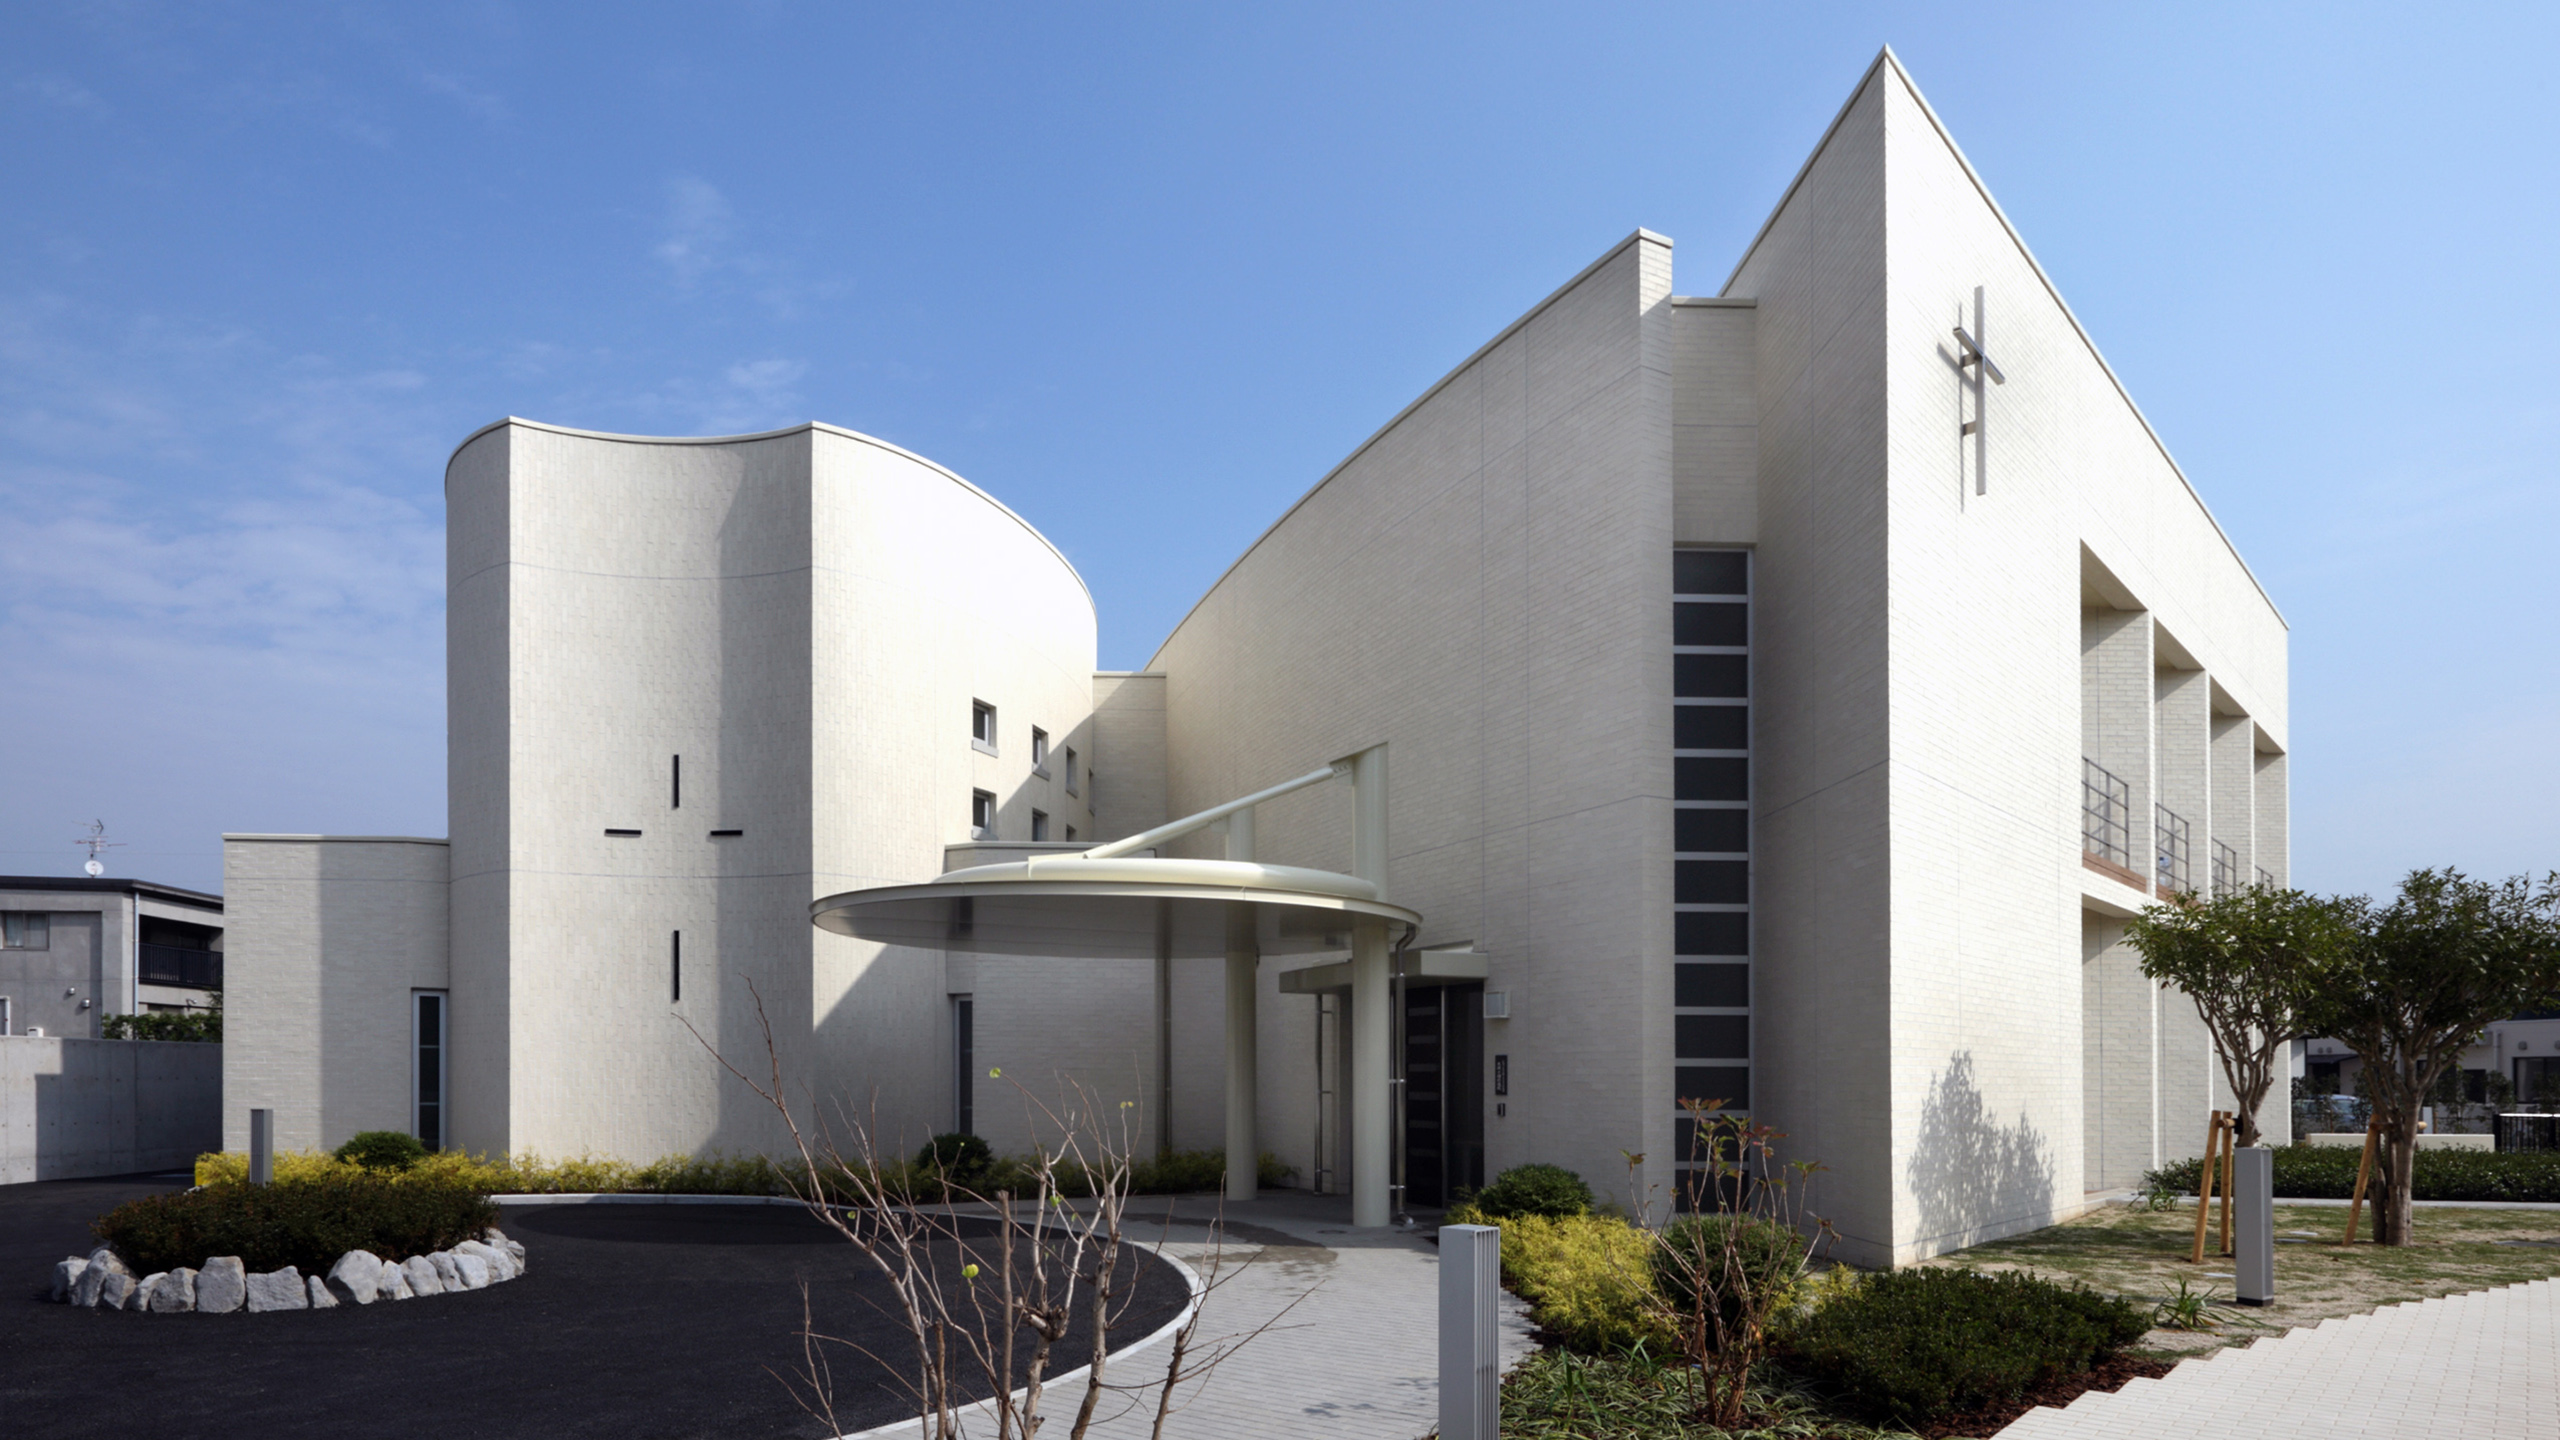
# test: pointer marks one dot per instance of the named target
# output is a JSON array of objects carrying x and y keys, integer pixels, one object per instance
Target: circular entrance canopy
[{"x": 1124, "y": 907}]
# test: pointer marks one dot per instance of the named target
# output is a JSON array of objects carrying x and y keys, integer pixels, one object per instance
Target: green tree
[
  {"x": 2427, "y": 973},
  {"x": 2251, "y": 961}
]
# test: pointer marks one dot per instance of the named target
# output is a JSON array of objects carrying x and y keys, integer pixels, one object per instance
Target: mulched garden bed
[{"x": 2108, "y": 1374}]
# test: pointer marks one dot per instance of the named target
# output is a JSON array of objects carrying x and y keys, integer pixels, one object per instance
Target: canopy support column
[
  {"x": 1372, "y": 1064},
  {"x": 1244, "y": 958}
]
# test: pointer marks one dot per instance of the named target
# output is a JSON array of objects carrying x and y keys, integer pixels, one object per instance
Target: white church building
[{"x": 1790, "y": 683}]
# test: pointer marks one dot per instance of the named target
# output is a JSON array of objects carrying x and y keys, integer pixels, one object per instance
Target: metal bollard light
[
  {"x": 1470, "y": 1336},
  {"x": 2253, "y": 1226},
  {"x": 262, "y": 1147}
]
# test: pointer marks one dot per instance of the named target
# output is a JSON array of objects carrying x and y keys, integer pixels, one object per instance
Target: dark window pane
[
  {"x": 1713, "y": 830},
  {"x": 1712, "y": 1037},
  {"x": 1728, "y": 1083},
  {"x": 1696, "y": 622},
  {"x": 1703, "y": 777},
  {"x": 1711, "y": 932},
  {"x": 1711, "y": 985},
  {"x": 1711, "y": 727},
  {"x": 1709, "y": 572},
  {"x": 1711, "y": 677},
  {"x": 1712, "y": 882}
]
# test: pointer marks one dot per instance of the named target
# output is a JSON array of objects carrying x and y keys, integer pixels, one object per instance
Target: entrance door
[{"x": 1443, "y": 1092}]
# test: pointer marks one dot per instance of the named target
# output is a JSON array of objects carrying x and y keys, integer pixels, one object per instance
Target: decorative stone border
[{"x": 103, "y": 1281}]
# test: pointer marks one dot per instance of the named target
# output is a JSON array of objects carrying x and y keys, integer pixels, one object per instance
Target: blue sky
[{"x": 1145, "y": 274}]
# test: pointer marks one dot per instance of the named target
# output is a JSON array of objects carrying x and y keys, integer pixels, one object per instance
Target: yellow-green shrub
[
  {"x": 1588, "y": 1279},
  {"x": 527, "y": 1174}
]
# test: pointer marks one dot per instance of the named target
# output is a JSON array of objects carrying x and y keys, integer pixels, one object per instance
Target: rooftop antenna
[{"x": 97, "y": 840}]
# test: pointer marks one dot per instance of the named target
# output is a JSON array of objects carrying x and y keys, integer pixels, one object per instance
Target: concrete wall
[
  {"x": 1484, "y": 585},
  {"x": 71, "y": 1108},
  {"x": 805, "y": 618},
  {"x": 330, "y": 936}
]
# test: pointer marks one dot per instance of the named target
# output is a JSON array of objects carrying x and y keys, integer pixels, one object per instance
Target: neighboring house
[
  {"x": 2523, "y": 1048},
  {"x": 75, "y": 949},
  {"x": 1786, "y": 704}
]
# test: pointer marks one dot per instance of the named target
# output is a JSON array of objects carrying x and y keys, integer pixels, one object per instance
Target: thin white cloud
[
  {"x": 60, "y": 91},
  {"x": 486, "y": 106},
  {"x": 697, "y": 227}
]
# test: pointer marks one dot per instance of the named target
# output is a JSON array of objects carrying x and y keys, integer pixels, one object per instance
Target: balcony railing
[
  {"x": 2169, "y": 836},
  {"x": 2266, "y": 877},
  {"x": 178, "y": 965},
  {"x": 2106, "y": 814},
  {"x": 2226, "y": 870}
]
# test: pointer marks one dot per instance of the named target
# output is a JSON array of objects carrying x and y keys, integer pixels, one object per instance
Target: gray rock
[
  {"x": 501, "y": 1266},
  {"x": 66, "y": 1273},
  {"x": 446, "y": 1275},
  {"x": 321, "y": 1299},
  {"x": 278, "y": 1290},
  {"x": 175, "y": 1294},
  {"x": 142, "y": 1292},
  {"x": 116, "y": 1290},
  {"x": 395, "y": 1283},
  {"x": 474, "y": 1271},
  {"x": 221, "y": 1285},
  {"x": 93, "y": 1278},
  {"x": 107, "y": 1253},
  {"x": 357, "y": 1276},
  {"x": 423, "y": 1279},
  {"x": 514, "y": 1249}
]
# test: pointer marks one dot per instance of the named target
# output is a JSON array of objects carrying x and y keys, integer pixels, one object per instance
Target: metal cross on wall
[{"x": 1973, "y": 363}]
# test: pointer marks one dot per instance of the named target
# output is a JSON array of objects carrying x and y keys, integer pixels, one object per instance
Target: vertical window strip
[{"x": 1713, "y": 932}]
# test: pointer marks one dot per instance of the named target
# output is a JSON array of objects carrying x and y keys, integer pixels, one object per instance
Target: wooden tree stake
[
  {"x": 2364, "y": 1172},
  {"x": 2204, "y": 1183},
  {"x": 2230, "y": 1169}
]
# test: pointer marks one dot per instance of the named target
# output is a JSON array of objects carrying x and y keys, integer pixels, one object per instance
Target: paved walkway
[
  {"x": 1354, "y": 1357},
  {"x": 2483, "y": 1366}
]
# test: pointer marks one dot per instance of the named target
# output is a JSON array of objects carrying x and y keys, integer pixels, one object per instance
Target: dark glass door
[{"x": 1443, "y": 1092}]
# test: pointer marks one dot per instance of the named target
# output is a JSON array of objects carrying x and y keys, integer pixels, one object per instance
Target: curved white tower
[{"x": 694, "y": 684}]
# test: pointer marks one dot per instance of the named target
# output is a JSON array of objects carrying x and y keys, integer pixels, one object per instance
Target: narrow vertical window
[
  {"x": 675, "y": 782},
  {"x": 1039, "y": 748},
  {"x": 1070, "y": 768},
  {"x": 427, "y": 1069},
  {"x": 982, "y": 815},
  {"x": 982, "y": 725},
  {"x": 675, "y": 967},
  {"x": 1711, "y": 944},
  {"x": 964, "y": 1064},
  {"x": 1039, "y": 824}
]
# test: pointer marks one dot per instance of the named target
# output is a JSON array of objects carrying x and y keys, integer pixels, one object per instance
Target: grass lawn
[{"x": 2131, "y": 1251}]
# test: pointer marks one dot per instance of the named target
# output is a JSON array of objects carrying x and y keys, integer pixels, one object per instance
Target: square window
[
  {"x": 1728, "y": 1083},
  {"x": 1070, "y": 767},
  {"x": 1715, "y": 832},
  {"x": 1039, "y": 748},
  {"x": 982, "y": 725},
  {"x": 1712, "y": 1037},
  {"x": 1711, "y": 677},
  {"x": 1711, "y": 932},
  {"x": 1714, "y": 987},
  {"x": 1712, "y": 882},
  {"x": 1699, "y": 777},
  {"x": 1711, "y": 727},
  {"x": 1696, "y": 622},
  {"x": 1710, "y": 572},
  {"x": 1039, "y": 824},
  {"x": 982, "y": 815}
]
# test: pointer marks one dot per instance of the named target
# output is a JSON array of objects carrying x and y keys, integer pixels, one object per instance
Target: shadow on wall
[{"x": 1972, "y": 1176}]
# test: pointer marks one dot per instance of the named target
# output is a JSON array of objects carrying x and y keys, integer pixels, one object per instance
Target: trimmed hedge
[
  {"x": 307, "y": 1224},
  {"x": 1588, "y": 1279},
  {"x": 381, "y": 1150},
  {"x": 1548, "y": 1191},
  {"x": 2328, "y": 1172},
  {"x": 1910, "y": 1346}
]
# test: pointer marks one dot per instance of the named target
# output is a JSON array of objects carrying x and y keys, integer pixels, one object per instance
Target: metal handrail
[
  {"x": 2106, "y": 813},
  {"x": 2169, "y": 839}
]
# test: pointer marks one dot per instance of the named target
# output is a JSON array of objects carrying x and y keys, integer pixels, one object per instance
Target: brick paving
[
  {"x": 2482, "y": 1366},
  {"x": 1354, "y": 1360}
]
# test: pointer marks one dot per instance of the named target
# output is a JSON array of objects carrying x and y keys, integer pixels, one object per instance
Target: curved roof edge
[
  {"x": 814, "y": 426},
  {"x": 1461, "y": 368},
  {"x": 339, "y": 839},
  {"x": 1886, "y": 62}
]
